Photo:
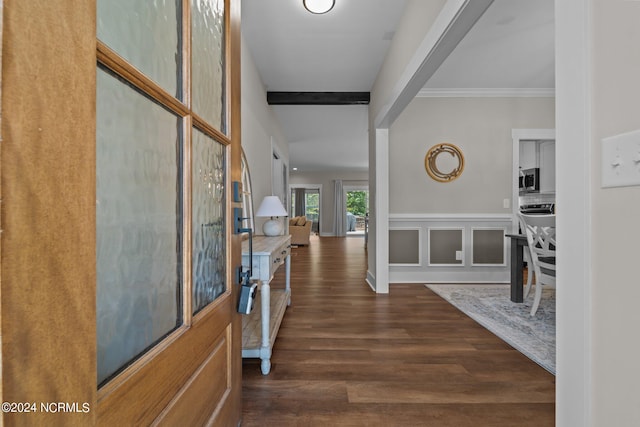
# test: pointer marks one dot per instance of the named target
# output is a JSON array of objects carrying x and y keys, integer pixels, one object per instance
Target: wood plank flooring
[{"x": 348, "y": 357}]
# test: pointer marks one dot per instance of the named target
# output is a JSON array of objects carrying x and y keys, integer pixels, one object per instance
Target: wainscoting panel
[
  {"x": 455, "y": 248},
  {"x": 404, "y": 246},
  {"x": 445, "y": 246},
  {"x": 488, "y": 246}
]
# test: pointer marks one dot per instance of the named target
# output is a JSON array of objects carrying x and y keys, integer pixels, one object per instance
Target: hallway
[{"x": 345, "y": 356}]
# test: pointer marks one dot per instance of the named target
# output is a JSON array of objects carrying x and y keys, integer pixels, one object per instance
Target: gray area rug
[{"x": 490, "y": 306}]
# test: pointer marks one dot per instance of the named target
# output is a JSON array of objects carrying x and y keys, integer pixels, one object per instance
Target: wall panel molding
[
  {"x": 405, "y": 246},
  {"x": 466, "y": 271}
]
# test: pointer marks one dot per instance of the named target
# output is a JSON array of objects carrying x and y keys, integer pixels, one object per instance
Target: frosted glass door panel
[
  {"x": 146, "y": 34},
  {"x": 207, "y": 73},
  {"x": 208, "y": 229},
  {"x": 138, "y": 214}
]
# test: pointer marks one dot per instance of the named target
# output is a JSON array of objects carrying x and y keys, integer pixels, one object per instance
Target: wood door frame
[{"x": 48, "y": 211}]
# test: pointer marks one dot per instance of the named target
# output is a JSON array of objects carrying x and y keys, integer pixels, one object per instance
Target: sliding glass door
[{"x": 357, "y": 203}]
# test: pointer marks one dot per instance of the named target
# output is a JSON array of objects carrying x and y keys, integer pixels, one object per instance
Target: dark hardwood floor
[{"x": 345, "y": 356}]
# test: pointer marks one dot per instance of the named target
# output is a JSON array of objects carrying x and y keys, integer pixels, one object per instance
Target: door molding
[{"x": 518, "y": 135}]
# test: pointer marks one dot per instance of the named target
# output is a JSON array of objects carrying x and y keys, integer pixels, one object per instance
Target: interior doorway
[
  {"x": 307, "y": 200},
  {"x": 357, "y": 209}
]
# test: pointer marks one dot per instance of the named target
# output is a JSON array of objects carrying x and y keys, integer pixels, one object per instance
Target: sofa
[{"x": 300, "y": 230}]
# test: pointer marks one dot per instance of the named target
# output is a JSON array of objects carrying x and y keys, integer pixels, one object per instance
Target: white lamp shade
[{"x": 271, "y": 206}]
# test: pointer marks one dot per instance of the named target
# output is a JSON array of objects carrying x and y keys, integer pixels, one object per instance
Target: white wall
[
  {"x": 616, "y": 217},
  {"x": 327, "y": 180},
  {"x": 260, "y": 131},
  {"x": 481, "y": 128}
]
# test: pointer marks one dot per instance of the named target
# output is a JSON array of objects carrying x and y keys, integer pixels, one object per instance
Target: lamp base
[{"x": 272, "y": 227}]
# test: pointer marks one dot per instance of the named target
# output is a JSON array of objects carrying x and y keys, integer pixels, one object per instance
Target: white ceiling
[
  {"x": 342, "y": 50},
  {"x": 511, "y": 47},
  {"x": 326, "y": 137}
]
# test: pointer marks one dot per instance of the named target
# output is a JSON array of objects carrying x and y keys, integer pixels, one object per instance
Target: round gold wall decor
[{"x": 431, "y": 166}]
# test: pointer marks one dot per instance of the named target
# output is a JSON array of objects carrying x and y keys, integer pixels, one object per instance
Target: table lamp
[{"x": 272, "y": 206}]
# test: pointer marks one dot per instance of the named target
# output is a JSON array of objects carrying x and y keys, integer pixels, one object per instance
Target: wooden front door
[{"x": 121, "y": 137}]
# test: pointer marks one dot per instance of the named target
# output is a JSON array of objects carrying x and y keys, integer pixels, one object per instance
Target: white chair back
[{"x": 541, "y": 239}]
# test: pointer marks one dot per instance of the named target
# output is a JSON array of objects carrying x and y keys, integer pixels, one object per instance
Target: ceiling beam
[
  {"x": 456, "y": 18},
  {"x": 318, "y": 98}
]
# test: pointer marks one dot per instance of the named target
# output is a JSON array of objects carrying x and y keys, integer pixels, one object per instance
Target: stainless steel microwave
[{"x": 529, "y": 180}]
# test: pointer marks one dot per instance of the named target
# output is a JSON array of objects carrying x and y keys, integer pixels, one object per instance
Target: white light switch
[
  {"x": 458, "y": 255},
  {"x": 621, "y": 160},
  {"x": 506, "y": 203}
]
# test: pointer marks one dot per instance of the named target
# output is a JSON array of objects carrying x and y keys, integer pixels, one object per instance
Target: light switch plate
[{"x": 621, "y": 160}]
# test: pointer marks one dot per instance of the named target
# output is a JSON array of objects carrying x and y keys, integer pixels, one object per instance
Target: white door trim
[
  {"x": 519, "y": 135},
  {"x": 574, "y": 394}
]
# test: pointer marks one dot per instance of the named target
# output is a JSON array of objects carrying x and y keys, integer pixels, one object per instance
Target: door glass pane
[
  {"x": 138, "y": 217},
  {"x": 147, "y": 35},
  {"x": 207, "y": 73},
  {"x": 208, "y": 228}
]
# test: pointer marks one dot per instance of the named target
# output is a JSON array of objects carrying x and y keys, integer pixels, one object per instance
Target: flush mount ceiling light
[{"x": 318, "y": 6}]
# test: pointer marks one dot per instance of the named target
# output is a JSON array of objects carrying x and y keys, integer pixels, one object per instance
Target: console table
[{"x": 260, "y": 327}]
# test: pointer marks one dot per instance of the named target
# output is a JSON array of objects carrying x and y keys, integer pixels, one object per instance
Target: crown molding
[{"x": 486, "y": 93}]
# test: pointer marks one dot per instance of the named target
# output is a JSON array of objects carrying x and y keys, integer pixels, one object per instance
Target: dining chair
[
  {"x": 526, "y": 257},
  {"x": 541, "y": 240}
]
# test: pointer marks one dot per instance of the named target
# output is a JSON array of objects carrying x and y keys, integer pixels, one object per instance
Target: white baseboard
[
  {"x": 451, "y": 276},
  {"x": 371, "y": 281}
]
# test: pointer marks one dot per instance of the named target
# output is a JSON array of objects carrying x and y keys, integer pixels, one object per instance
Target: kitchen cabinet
[
  {"x": 528, "y": 154},
  {"x": 547, "y": 152}
]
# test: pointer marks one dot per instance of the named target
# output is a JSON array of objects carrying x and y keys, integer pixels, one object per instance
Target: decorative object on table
[
  {"x": 489, "y": 305},
  {"x": 271, "y": 206},
  {"x": 318, "y": 7},
  {"x": 431, "y": 162}
]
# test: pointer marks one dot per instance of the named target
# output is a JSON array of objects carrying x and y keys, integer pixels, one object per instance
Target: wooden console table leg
[{"x": 265, "y": 350}]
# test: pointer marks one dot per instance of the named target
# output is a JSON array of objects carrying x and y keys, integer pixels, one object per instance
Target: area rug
[{"x": 490, "y": 306}]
